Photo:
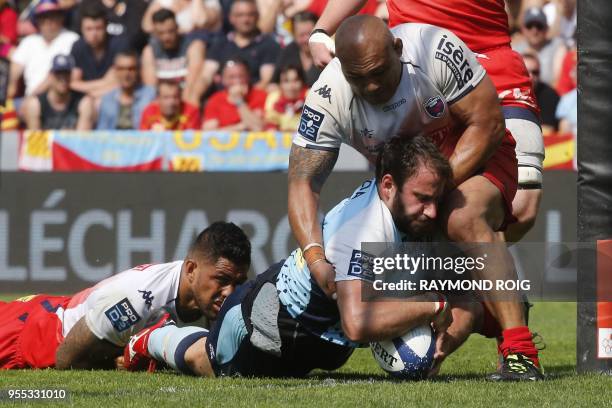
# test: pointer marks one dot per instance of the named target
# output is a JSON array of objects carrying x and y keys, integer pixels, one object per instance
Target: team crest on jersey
[
  {"x": 361, "y": 265},
  {"x": 310, "y": 122},
  {"x": 435, "y": 107},
  {"x": 123, "y": 315}
]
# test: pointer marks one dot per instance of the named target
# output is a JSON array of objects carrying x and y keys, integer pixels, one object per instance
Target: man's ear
[
  {"x": 398, "y": 46},
  {"x": 190, "y": 270},
  {"x": 387, "y": 187}
]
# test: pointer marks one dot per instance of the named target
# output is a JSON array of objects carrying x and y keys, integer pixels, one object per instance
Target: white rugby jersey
[
  {"x": 120, "y": 306},
  {"x": 363, "y": 217},
  {"x": 438, "y": 70}
]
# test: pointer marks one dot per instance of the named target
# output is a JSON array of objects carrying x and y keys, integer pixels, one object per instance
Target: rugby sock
[
  {"x": 519, "y": 340},
  {"x": 170, "y": 343}
]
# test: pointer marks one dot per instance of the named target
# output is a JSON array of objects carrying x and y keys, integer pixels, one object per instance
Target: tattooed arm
[
  {"x": 82, "y": 349},
  {"x": 308, "y": 170}
]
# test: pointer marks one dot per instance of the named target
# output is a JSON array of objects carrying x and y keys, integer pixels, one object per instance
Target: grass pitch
[{"x": 359, "y": 383}]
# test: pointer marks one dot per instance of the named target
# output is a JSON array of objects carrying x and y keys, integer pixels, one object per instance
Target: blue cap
[{"x": 62, "y": 63}]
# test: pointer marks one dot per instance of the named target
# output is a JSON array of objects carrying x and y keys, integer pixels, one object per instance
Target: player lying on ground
[
  {"x": 416, "y": 79},
  {"x": 90, "y": 329},
  {"x": 283, "y": 324}
]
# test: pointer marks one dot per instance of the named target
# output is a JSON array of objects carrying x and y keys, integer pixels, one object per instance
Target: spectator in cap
[
  {"x": 33, "y": 57},
  {"x": 59, "y": 107},
  {"x": 122, "y": 107},
  {"x": 549, "y": 51}
]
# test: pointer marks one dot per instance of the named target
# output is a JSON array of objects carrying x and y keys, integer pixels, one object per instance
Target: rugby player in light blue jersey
[{"x": 283, "y": 324}]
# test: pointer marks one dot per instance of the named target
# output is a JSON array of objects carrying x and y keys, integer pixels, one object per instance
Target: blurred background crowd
[{"x": 215, "y": 64}]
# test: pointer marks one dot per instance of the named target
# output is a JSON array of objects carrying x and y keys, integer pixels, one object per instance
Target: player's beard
[{"x": 416, "y": 228}]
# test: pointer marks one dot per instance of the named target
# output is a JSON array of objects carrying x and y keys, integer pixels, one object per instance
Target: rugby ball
[{"x": 407, "y": 357}]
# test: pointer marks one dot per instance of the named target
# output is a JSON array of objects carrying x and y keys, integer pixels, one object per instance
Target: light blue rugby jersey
[{"x": 361, "y": 218}]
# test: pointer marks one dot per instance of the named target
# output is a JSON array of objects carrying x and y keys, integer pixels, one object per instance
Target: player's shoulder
[
  {"x": 331, "y": 84},
  {"x": 421, "y": 35}
]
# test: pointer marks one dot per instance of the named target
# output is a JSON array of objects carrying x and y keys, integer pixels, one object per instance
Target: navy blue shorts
[{"x": 254, "y": 335}]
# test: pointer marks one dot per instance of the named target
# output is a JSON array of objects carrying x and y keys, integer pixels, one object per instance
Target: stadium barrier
[
  {"x": 189, "y": 151},
  {"x": 60, "y": 232}
]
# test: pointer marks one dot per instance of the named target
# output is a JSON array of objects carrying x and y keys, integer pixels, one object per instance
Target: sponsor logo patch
[
  {"x": 434, "y": 107},
  {"x": 310, "y": 122},
  {"x": 455, "y": 59},
  {"x": 122, "y": 316},
  {"x": 361, "y": 265}
]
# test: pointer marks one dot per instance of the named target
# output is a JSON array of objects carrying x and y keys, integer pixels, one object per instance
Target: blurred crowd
[{"x": 215, "y": 64}]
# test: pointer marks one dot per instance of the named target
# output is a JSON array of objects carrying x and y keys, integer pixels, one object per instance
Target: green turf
[{"x": 359, "y": 383}]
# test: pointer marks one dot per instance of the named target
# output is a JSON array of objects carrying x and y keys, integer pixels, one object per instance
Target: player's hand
[
  {"x": 442, "y": 351},
  {"x": 443, "y": 319},
  {"x": 119, "y": 363},
  {"x": 325, "y": 276},
  {"x": 322, "y": 49}
]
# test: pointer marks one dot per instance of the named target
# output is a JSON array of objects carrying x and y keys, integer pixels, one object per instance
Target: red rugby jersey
[{"x": 481, "y": 24}]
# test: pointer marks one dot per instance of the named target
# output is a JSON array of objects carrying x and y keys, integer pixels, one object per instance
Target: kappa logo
[
  {"x": 310, "y": 122},
  {"x": 122, "y": 315},
  {"x": 324, "y": 92},
  {"x": 147, "y": 297},
  {"x": 435, "y": 107},
  {"x": 455, "y": 59},
  {"x": 361, "y": 265}
]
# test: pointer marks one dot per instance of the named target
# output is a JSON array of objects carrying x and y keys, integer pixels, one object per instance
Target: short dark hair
[
  {"x": 94, "y": 11},
  {"x": 128, "y": 53},
  {"x": 303, "y": 17},
  {"x": 162, "y": 15},
  {"x": 253, "y": 2},
  {"x": 292, "y": 67},
  {"x": 401, "y": 157},
  {"x": 223, "y": 240}
]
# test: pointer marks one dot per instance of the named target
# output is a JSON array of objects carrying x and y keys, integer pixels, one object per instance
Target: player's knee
[{"x": 197, "y": 360}]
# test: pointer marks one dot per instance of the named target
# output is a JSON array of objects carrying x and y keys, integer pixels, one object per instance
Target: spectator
[
  {"x": 246, "y": 43},
  {"x": 122, "y": 107},
  {"x": 190, "y": 14},
  {"x": 284, "y": 106},
  {"x": 562, "y": 18},
  {"x": 545, "y": 95},
  {"x": 59, "y": 107},
  {"x": 239, "y": 106},
  {"x": 35, "y": 53},
  {"x": 549, "y": 51},
  {"x": 567, "y": 76},
  {"x": 173, "y": 56},
  {"x": 567, "y": 113},
  {"x": 8, "y": 28},
  {"x": 124, "y": 20},
  {"x": 94, "y": 54},
  {"x": 169, "y": 112},
  {"x": 298, "y": 52}
]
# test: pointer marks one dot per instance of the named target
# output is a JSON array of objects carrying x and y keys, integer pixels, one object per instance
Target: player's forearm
[
  {"x": 303, "y": 210},
  {"x": 384, "y": 320},
  {"x": 308, "y": 170},
  {"x": 475, "y": 147},
  {"x": 335, "y": 11}
]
